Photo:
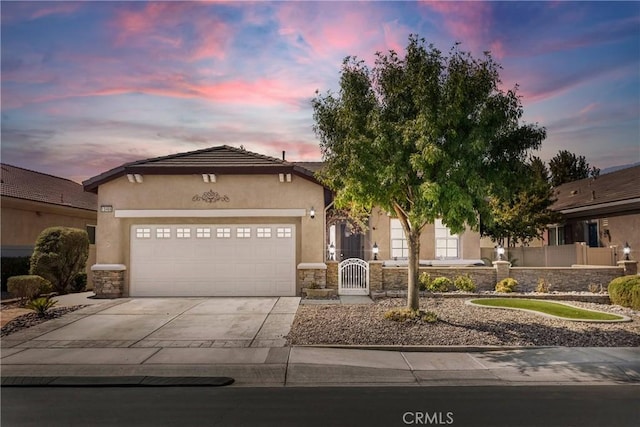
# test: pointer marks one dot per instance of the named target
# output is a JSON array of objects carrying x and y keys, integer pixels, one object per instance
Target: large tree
[
  {"x": 566, "y": 167},
  {"x": 425, "y": 136},
  {"x": 525, "y": 214}
]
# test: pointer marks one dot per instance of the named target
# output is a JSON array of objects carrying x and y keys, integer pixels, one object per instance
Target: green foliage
[
  {"x": 425, "y": 136},
  {"x": 424, "y": 281},
  {"x": 440, "y": 284},
  {"x": 406, "y": 314},
  {"x": 506, "y": 285},
  {"x": 59, "y": 255},
  {"x": 552, "y": 308},
  {"x": 464, "y": 283},
  {"x": 41, "y": 305},
  {"x": 594, "y": 288},
  {"x": 543, "y": 286},
  {"x": 28, "y": 287},
  {"x": 567, "y": 167},
  {"x": 524, "y": 214},
  {"x": 625, "y": 291},
  {"x": 79, "y": 283},
  {"x": 13, "y": 266}
]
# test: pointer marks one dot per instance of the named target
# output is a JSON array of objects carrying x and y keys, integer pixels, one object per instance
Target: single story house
[
  {"x": 32, "y": 201},
  {"x": 224, "y": 221},
  {"x": 601, "y": 212}
]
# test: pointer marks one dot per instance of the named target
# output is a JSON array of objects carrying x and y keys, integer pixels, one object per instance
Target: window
[
  {"x": 223, "y": 233},
  {"x": 399, "y": 246},
  {"x": 283, "y": 232},
  {"x": 203, "y": 233},
  {"x": 263, "y": 233},
  {"x": 163, "y": 233},
  {"x": 243, "y": 233},
  {"x": 183, "y": 233},
  {"x": 556, "y": 235},
  {"x": 446, "y": 243},
  {"x": 91, "y": 231},
  {"x": 143, "y": 233}
]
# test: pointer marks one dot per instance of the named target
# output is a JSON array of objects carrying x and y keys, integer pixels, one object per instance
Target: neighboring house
[
  {"x": 224, "y": 221},
  {"x": 601, "y": 212},
  {"x": 32, "y": 201}
]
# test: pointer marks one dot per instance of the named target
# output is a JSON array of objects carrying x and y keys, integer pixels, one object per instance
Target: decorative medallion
[{"x": 210, "y": 197}]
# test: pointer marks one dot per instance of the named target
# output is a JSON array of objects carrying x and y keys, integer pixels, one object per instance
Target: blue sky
[{"x": 87, "y": 86}]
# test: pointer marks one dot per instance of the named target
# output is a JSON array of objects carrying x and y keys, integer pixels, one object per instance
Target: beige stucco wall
[
  {"x": 178, "y": 191},
  {"x": 380, "y": 232}
]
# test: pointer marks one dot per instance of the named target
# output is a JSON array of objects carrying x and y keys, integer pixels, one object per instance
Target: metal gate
[{"x": 353, "y": 277}]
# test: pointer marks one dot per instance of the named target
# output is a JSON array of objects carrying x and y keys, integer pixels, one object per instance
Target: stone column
[
  {"x": 108, "y": 280},
  {"x": 630, "y": 267},
  {"x": 502, "y": 269},
  {"x": 332, "y": 275},
  {"x": 312, "y": 275},
  {"x": 375, "y": 276}
]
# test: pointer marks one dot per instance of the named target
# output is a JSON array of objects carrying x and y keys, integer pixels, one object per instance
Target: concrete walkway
[{"x": 79, "y": 345}]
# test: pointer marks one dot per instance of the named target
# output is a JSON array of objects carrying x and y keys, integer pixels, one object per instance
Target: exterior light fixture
[
  {"x": 375, "y": 251},
  {"x": 312, "y": 213},
  {"x": 626, "y": 250},
  {"x": 106, "y": 208},
  {"x": 332, "y": 251},
  {"x": 500, "y": 252}
]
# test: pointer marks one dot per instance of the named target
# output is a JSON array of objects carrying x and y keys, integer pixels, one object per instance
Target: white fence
[{"x": 353, "y": 277}]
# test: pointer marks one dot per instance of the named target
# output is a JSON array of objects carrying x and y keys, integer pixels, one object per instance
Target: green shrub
[
  {"x": 440, "y": 284},
  {"x": 41, "y": 305},
  {"x": 625, "y": 291},
  {"x": 406, "y": 314},
  {"x": 464, "y": 283},
  {"x": 79, "y": 283},
  {"x": 59, "y": 255},
  {"x": 543, "y": 286},
  {"x": 506, "y": 285},
  {"x": 424, "y": 281},
  {"x": 13, "y": 266},
  {"x": 28, "y": 287}
]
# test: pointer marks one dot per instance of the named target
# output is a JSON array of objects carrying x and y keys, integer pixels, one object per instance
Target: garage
[{"x": 213, "y": 260}]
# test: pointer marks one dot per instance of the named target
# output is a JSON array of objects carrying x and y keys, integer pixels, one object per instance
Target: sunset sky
[{"x": 87, "y": 86}]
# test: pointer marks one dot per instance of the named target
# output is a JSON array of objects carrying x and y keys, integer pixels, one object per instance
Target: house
[
  {"x": 33, "y": 201},
  {"x": 224, "y": 221},
  {"x": 601, "y": 212}
]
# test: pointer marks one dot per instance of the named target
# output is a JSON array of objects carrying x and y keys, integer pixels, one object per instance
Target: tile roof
[
  {"x": 221, "y": 159},
  {"x": 26, "y": 184},
  {"x": 311, "y": 166},
  {"x": 619, "y": 186}
]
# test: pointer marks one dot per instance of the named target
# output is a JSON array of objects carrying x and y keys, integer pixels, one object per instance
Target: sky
[{"x": 88, "y": 86}]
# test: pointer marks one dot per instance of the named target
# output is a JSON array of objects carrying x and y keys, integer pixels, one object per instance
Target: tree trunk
[{"x": 413, "y": 239}]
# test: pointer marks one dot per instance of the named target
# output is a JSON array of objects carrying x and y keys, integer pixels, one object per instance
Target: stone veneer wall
[
  {"x": 332, "y": 274},
  {"x": 395, "y": 278},
  {"x": 312, "y": 278},
  {"x": 564, "y": 279},
  {"x": 108, "y": 283}
]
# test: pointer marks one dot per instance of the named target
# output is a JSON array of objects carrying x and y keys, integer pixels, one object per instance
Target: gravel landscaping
[
  {"x": 458, "y": 324},
  {"x": 32, "y": 319}
]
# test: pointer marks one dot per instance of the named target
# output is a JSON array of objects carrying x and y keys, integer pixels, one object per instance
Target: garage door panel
[{"x": 226, "y": 260}]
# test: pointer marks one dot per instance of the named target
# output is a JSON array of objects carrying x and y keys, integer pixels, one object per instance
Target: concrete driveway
[{"x": 169, "y": 322}]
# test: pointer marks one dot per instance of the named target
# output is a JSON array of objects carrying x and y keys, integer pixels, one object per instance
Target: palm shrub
[
  {"x": 27, "y": 287},
  {"x": 59, "y": 255},
  {"x": 625, "y": 291},
  {"x": 506, "y": 285},
  {"x": 41, "y": 305},
  {"x": 464, "y": 283}
]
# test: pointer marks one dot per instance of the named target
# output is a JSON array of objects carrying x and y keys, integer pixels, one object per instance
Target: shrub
[
  {"x": 543, "y": 286},
  {"x": 625, "y": 291},
  {"x": 41, "y": 305},
  {"x": 406, "y": 314},
  {"x": 60, "y": 254},
  {"x": 13, "y": 266},
  {"x": 594, "y": 288},
  {"x": 440, "y": 284},
  {"x": 464, "y": 283},
  {"x": 28, "y": 287},
  {"x": 79, "y": 283},
  {"x": 506, "y": 285},
  {"x": 424, "y": 281}
]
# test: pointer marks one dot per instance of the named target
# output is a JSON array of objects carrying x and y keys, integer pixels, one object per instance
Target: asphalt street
[{"x": 583, "y": 406}]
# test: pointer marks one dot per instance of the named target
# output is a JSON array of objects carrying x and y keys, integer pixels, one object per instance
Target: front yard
[{"x": 458, "y": 324}]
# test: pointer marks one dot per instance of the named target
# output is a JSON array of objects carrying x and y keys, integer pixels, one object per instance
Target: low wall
[
  {"x": 563, "y": 279},
  {"x": 396, "y": 278}
]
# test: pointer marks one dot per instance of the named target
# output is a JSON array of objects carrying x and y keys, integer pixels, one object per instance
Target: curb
[
  {"x": 134, "y": 381},
  {"x": 427, "y": 348}
]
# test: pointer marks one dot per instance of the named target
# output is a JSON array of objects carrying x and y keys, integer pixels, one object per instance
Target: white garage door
[{"x": 213, "y": 260}]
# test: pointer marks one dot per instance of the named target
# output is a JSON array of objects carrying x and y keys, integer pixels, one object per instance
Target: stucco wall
[{"x": 178, "y": 191}]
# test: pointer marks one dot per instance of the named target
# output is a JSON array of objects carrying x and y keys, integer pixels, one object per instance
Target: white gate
[{"x": 353, "y": 277}]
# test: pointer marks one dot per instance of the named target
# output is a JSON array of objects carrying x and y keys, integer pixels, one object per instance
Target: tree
[
  {"x": 525, "y": 214},
  {"x": 425, "y": 136},
  {"x": 59, "y": 255},
  {"x": 567, "y": 167}
]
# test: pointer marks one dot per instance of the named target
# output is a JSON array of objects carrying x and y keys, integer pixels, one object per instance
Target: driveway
[{"x": 167, "y": 322}]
